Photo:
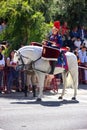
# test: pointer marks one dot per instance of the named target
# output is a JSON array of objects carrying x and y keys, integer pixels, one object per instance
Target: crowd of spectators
[
  {"x": 74, "y": 39},
  {"x": 9, "y": 76}
]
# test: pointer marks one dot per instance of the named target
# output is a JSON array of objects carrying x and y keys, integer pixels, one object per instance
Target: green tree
[
  {"x": 25, "y": 23},
  {"x": 31, "y": 20},
  {"x": 72, "y": 11}
]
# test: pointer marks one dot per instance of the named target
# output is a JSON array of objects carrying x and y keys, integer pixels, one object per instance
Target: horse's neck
[{"x": 32, "y": 52}]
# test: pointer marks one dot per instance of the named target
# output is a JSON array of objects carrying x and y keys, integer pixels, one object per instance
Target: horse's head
[
  {"x": 17, "y": 60},
  {"x": 16, "y": 56},
  {"x": 20, "y": 60},
  {"x": 27, "y": 55}
]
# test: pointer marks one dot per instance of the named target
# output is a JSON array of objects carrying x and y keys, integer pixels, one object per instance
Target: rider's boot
[
  {"x": 53, "y": 64},
  {"x": 62, "y": 56}
]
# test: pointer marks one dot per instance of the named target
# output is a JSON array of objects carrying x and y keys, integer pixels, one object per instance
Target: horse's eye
[{"x": 18, "y": 58}]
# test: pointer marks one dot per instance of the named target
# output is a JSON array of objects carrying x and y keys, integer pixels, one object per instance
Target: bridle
[{"x": 30, "y": 65}]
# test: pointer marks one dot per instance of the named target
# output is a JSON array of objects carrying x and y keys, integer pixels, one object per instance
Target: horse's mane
[
  {"x": 31, "y": 48},
  {"x": 35, "y": 51}
]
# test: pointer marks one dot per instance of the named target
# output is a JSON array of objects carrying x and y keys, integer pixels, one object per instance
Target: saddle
[
  {"x": 50, "y": 53},
  {"x": 55, "y": 56}
]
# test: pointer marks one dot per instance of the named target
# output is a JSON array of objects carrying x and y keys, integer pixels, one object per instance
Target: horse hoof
[
  {"x": 60, "y": 97},
  {"x": 38, "y": 99},
  {"x": 73, "y": 98}
]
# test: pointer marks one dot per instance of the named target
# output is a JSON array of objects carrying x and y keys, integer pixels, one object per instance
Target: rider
[{"x": 55, "y": 41}]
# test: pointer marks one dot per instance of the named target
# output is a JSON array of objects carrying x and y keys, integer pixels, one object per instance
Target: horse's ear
[{"x": 15, "y": 51}]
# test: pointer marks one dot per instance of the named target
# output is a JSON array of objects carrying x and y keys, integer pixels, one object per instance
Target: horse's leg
[
  {"x": 74, "y": 74},
  {"x": 64, "y": 74},
  {"x": 26, "y": 87},
  {"x": 33, "y": 79},
  {"x": 41, "y": 77}
]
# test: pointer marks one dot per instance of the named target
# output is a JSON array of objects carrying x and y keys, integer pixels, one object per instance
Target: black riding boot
[
  {"x": 62, "y": 56},
  {"x": 53, "y": 64}
]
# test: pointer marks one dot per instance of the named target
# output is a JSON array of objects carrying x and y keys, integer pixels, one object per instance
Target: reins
[{"x": 32, "y": 63}]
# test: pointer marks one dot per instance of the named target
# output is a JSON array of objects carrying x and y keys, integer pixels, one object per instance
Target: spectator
[
  {"x": 3, "y": 24},
  {"x": 12, "y": 73},
  {"x": 0, "y": 27},
  {"x": 82, "y": 33},
  {"x": 77, "y": 43},
  {"x": 2, "y": 64},
  {"x": 65, "y": 33},
  {"x": 70, "y": 44},
  {"x": 82, "y": 55},
  {"x": 86, "y": 67},
  {"x": 76, "y": 53},
  {"x": 74, "y": 32},
  {"x": 65, "y": 28}
]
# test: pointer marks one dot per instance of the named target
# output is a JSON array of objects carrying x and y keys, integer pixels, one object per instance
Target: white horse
[
  {"x": 85, "y": 42},
  {"x": 31, "y": 55}
]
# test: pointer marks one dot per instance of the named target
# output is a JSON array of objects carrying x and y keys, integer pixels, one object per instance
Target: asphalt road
[{"x": 25, "y": 113}]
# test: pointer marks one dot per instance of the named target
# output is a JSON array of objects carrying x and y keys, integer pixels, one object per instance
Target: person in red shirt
[{"x": 65, "y": 28}]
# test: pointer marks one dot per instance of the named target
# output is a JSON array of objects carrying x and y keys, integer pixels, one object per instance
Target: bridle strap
[{"x": 32, "y": 62}]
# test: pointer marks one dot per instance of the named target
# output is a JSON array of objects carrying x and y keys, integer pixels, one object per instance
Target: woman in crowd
[
  {"x": 13, "y": 74},
  {"x": 2, "y": 65}
]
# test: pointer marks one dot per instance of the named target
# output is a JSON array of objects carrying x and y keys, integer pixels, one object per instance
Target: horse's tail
[
  {"x": 69, "y": 80},
  {"x": 72, "y": 79}
]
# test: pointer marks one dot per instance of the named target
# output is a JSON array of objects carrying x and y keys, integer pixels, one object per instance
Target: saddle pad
[
  {"x": 50, "y": 53},
  {"x": 62, "y": 62}
]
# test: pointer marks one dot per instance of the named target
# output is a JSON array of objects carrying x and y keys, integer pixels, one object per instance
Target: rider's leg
[{"x": 53, "y": 64}]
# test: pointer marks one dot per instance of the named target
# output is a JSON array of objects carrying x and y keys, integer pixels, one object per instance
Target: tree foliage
[
  {"x": 24, "y": 22},
  {"x": 30, "y": 20}
]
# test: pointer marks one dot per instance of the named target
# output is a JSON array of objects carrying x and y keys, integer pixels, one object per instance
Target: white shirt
[
  {"x": 82, "y": 34},
  {"x": 85, "y": 58},
  {"x": 11, "y": 61},
  {"x": 82, "y": 55},
  {"x": 77, "y": 44},
  {"x": 2, "y": 62}
]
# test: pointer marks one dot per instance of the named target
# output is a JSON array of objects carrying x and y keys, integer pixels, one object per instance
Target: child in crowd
[{"x": 77, "y": 43}]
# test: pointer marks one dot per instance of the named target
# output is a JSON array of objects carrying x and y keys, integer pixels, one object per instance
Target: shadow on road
[{"x": 48, "y": 103}]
